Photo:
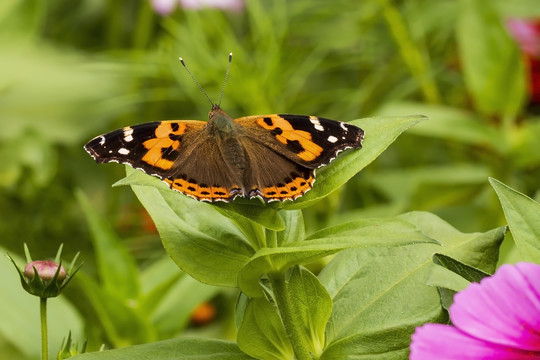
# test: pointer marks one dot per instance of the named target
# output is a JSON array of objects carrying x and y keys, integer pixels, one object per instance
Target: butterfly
[{"x": 273, "y": 157}]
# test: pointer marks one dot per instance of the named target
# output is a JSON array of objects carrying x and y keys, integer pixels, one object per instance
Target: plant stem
[
  {"x": 44, "y": 335},
  {"x": 279, "y": 286}
]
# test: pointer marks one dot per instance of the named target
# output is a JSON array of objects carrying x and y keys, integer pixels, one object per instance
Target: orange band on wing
[
  {"x": 311, "y": 151},
  {"x": 209, "y": 193},
  {"x": 162, "y": 141},
  {"x": 297, "y": 187}
]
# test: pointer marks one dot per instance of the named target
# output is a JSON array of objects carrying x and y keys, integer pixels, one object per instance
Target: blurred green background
[{"x": 71, "y": 70}]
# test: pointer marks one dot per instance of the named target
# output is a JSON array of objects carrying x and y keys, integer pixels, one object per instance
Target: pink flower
[
  {"x": 498, "y": 318},
  {"x": 165, "y": 7},
  {"x": 233, "y": 5},
  {"x": 527, "y": 35}
]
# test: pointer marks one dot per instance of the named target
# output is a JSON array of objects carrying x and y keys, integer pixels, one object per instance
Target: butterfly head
[{"x": 216, "y": 110}]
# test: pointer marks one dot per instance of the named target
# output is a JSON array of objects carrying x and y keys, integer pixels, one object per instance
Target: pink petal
[
  {"x": 503, "y": 309},
  {"x": 234, "y": 5},
  {"x": 444, "y": 342},
  {"x": 527, "y": 35},
  {"x": 164, "y": 7}
]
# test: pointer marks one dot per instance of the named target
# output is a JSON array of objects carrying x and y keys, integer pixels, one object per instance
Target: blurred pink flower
[
  {"x": 527, "y": 35},
  {"x": 165, "y": 7},
  {"x": 498, "y": 318}
]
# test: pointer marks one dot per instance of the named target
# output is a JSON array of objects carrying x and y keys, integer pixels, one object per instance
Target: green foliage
[
  {"x": 522, "y": 215},
  {"x": 493, "y": 73},
  {"x": 452, "y": 276},
  {"x": 135, "y": 307},
  {"x": 311, "y": 307},
  {"x": 262, "y": 334},
  {"x": 187, "y": 348},
  {"x": 380, "y": 294}
]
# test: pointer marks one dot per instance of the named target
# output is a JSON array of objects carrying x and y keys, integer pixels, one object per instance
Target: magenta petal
[
  {"x": 502, "y": 309},
  {"x": 444, "y": 342}
]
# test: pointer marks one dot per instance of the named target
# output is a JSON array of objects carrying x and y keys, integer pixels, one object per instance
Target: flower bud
[
  {"x": 51, "y": 277},
  {"x": 46, "y": 269}
]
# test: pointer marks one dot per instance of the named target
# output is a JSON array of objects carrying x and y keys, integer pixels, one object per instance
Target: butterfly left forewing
[
  {"x": 152, "y": 147},
  {"x": 307, "y": 140}
]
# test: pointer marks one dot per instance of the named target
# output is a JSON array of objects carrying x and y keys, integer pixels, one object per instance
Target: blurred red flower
[{"x": 527, "y": 35}]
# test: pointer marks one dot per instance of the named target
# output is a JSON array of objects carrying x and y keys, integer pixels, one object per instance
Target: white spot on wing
[
  {"x": 128, "y": 132},
  {"x": 101, "y": 140},
  {"x": 316, "y": 123},
  {"x": 123, "y": 151},
  {"x": 343, "y": 126},
  {"x": 332, "y": 139}
]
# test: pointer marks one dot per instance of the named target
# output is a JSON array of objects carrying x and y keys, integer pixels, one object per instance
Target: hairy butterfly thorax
[{"x": 273, "y": 157}]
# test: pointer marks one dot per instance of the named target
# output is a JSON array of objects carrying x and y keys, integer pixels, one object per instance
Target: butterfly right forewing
[{"x": 307, "y": 140}]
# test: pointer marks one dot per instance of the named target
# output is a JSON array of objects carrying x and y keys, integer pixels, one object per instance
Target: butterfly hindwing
[
  {"x": 201, "y": 172},
  {"x": 307, "y": 140},
  {"x": 272, "y": 176}
]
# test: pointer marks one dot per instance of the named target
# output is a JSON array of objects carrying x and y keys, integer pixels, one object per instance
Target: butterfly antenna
[
  {"x": 196, "y": 82},
  {"x": 225, "y": 80}
]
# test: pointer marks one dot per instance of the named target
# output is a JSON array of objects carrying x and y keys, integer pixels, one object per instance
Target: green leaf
[
  {"x": 380, "y": 132},
  {"x": 117, "y": 269},
  {"x": 172, "y": 313},
  {"x": 408, "y": 185},
  {"x": 262, "y": 334},
  {"x": 202, "y": 242},
  {"x": 58, "y": 82},
  {"x": 380, "y": 294},
  {"x": 524, "y": 143},
  {"x": 311, "y": 306},
  {"x": 467, "y": 272},
  {"x": 174, "y": 349},
  {"x": 447, "y": 123},
  {"x": 386, "y": 344},
  {"x": 155, "y": 280},
  {"x": 170, "y": 296},
  {"x": 253, "y": 210},
  {"x": 451, "y": 276},
  {"x": 122, "y": 324},
  {"x": 523, "y": 216},
  {"x": 294, "y": 227},
  {"x": 494, "y": 72},
  {"x": 362, "y": 233}
]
